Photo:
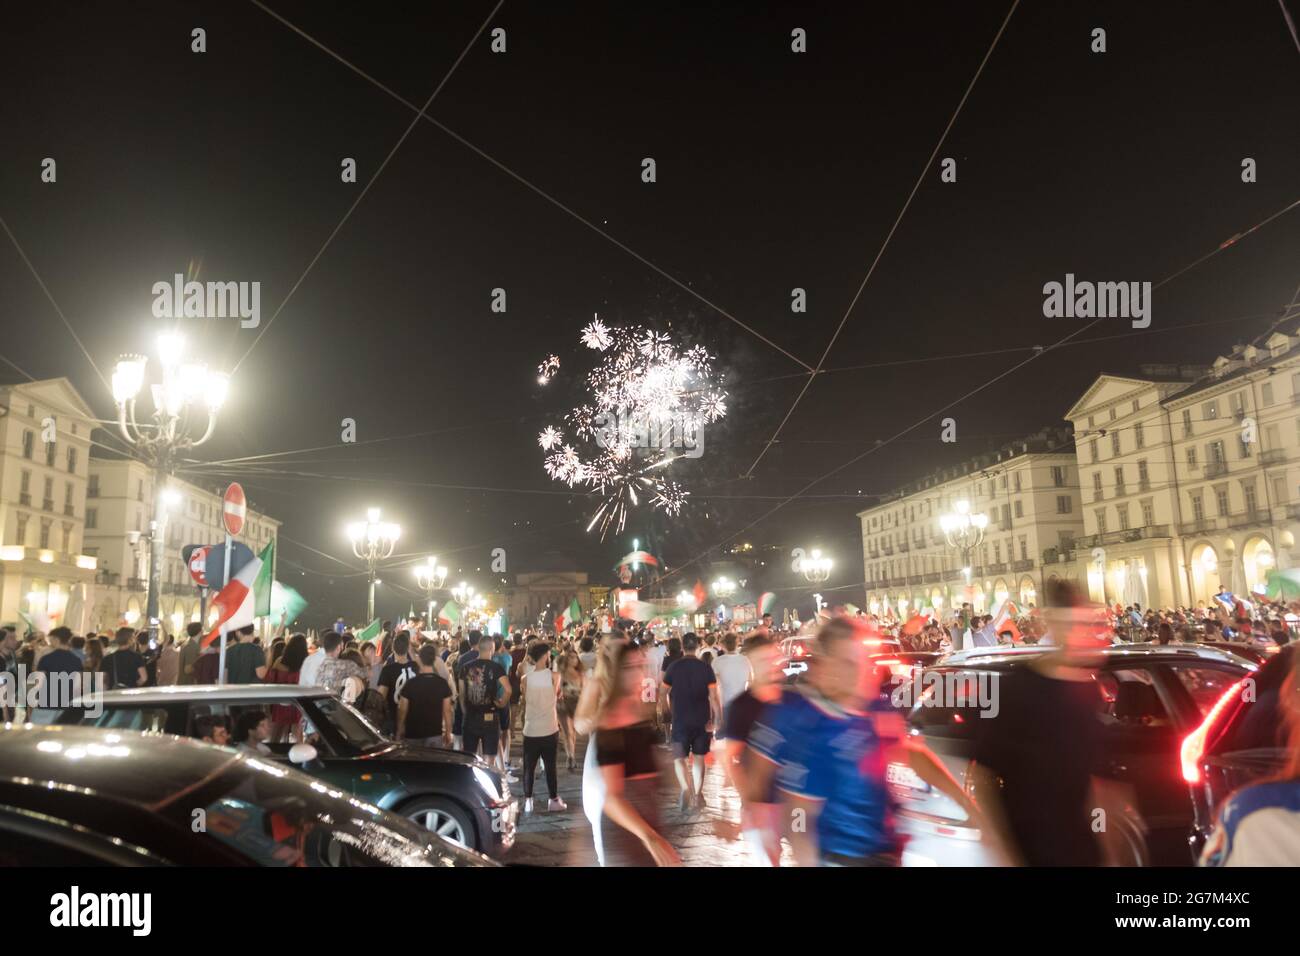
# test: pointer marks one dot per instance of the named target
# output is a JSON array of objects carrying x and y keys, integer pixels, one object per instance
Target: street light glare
[
  {"x": 171, "y": 346},
  {"x": 128, "y": 377}
]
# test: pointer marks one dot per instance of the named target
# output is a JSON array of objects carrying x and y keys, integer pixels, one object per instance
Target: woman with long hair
[
  {"x": 94, "y": 655},
  {"x": 614, "y": 711},
  {"x": 285, "y": 669},
  {"x": 572, "y": 676}
]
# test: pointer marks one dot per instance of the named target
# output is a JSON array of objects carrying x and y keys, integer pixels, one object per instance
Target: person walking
[
  {"x": 694, "y": 703},
  {"x": 539, "y": 692},
  {"x": 424, "y": 704}
]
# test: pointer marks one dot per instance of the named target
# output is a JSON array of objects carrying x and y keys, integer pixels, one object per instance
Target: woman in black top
[{"x": 624, "y": 737}]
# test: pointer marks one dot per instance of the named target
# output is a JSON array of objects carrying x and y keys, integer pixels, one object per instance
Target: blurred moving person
[
  {"x": 1033, "y": 771},
  {"x": 759, "y": 818},
  {"x": 820, "y": 749},
  {"x": 613, "y": 712}
]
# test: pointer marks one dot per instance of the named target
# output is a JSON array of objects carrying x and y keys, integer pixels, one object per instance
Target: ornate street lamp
[
  {"x": 815, "y": 568},
  {"x": 430, "y": 577},
  {"x": 964, "y": 531},
  {"x": 373, "y": 541},
  {"x": 185, "y": 389}
]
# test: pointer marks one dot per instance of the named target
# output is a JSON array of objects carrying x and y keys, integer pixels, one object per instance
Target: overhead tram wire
[
  {"x": 422, "y": 114},
  {"x": 1234, "y": 240},
  {"x": 889, "y": 236},
  {"x": 370, "y": 182}
]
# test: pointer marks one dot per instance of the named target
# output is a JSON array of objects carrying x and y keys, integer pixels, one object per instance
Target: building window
[
  {"x": 1144, "y": 480},
  {"x": 1187, "y": 423},
  {"x": 1097, "y": 493},
  {"x": 1119, "y": 479},
  {"x": 1112, "y": 414},
  {"x": 67, "y": 498},
  {"x": 997, "y": 552},
  {"x": 1114, "y": 444},
  {"x": 28, "y": 439},
  {"x": 1020, "y": 508},
  {"x": 49, "y": 453},
  {"x": 1063, "y": 506},
  {"x": 1138, "y": 435},
  {"x": 1092, "y": 451},
  {"x": 25, "y": 489},
  {"x": 20, "y": 530},
  {"x": 1058, "y": 476},
  {"x": 1122, "y": 511},
  {"x": 1191, "y": 459},
  {"x": 1198, "y": 508},
  {"x": 1101, "y": 520},
  {"x": 47, "y": 503},
  {"x": 1215, "y": 453},
  {"x": 1024, "y": 548},
  {"x": 45, "y": 533},
  {"x": 92, "y": 519},
  {"x": 67, "y": 538},
  {"x": 1148, "y": 513},
  {"x": 1248, "y": 492},
  {"x": 1211, "y": 409},
  {"x": 1017, "y": 482},
  {"x": 1238, "y": 403},
  {"x": 1266, "y": 393},
  {"x": 92, "y": 486},
  {"x": 1221, "y": 500},
  {"x": 72, "y": 461}
]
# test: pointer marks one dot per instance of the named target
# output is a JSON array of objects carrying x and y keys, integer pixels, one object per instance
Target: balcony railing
[
  {"x": 1274, "y": 456},
  {"x": 137, "y": 584},
  {"x": 1214, "y": 469},
  {"x": 67, "y": 509},
  {"x": 47, "y": 504},
  {"x": 1124, "y": 535},
  {"x": 1248, "y": 519},
  {"x": 1023, "y": 565},
  {"x": 1198, "y": 526},
  {"x": 25, "y": 498}
]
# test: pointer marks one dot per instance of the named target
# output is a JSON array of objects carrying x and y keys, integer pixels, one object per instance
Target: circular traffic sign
[
  {"x": 234, "y": 508},
  {"x": 198, "y": 565}
]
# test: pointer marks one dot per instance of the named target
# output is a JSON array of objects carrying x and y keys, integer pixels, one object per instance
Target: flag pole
[{"x": 221, "y": 661}]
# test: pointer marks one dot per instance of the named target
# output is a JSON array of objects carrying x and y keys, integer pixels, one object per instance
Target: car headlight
[{"x": 489, "y": 785}]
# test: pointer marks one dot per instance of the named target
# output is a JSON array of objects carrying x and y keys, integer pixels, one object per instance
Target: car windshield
[{"x": 349, "y": 724}]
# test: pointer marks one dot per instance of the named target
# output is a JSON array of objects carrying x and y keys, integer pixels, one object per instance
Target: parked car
[
  {"x": 1250, "y": 650},
  {"x": 797, "y": 651},
  {"x": 454, "y": 794},
  {"x": 1240, "y": 740},
  {"x": 79, "y": 796},
  {"x": 1149, "y": 697}
]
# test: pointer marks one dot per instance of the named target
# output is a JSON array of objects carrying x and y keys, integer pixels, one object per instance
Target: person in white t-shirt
[
  {"x": 732, "y": 670},
  {"x": 311, "y": 664}
]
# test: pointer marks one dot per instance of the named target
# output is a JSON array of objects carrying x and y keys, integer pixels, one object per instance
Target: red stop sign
[{"x": 234, "y": 508}]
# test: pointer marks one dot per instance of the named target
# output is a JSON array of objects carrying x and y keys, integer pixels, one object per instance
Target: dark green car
[{"x": 455, "y": 794}]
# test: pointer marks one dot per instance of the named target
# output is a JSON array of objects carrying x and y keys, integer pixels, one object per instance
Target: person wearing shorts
[
  {"x": 484, "y": 689},
  {"x": 696, "y": 709}
]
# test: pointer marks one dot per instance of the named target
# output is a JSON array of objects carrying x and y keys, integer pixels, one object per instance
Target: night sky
[{"x": 775, "y": 170}]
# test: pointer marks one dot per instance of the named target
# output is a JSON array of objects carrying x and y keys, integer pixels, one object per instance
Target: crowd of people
[{"x": 806, "y": 760}]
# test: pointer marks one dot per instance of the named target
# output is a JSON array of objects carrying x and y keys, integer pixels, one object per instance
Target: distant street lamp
[
  {"x": 183, "y": 387},
  {"x": 373, "y": 541},
  {"x": 964, "y": 531},
  {"x": 724, "y": 587},
  {"x": 815, "y": 568},
  {"x": 430, "y": 577}
]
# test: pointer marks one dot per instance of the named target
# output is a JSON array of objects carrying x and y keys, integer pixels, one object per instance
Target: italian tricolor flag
[
  {"x": 568, "y": 617},
  {"x": 449, "y": 615},
  {"x": 250, "y": 589}
]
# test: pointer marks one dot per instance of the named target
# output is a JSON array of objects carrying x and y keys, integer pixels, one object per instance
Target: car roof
[
  {"x": 125, "y": 765},
  {"x": 1008, "y": 656},
  {"x": 199, "y": 692}
]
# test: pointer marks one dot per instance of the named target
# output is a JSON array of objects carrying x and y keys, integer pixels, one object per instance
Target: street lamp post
[
  {"x": 815, "y": 568},
  {"x": 166, "y": 432},
  {"x": 373, "y": 541},
  {"x": 430, "y": 577},
  {"x": 964, "y": 531}
]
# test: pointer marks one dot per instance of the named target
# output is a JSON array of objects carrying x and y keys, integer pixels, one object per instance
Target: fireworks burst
[
  {"x": 548, "y": 369},
  {"x": 596, "y": 335},
  {"x": 646, "y": 400}
]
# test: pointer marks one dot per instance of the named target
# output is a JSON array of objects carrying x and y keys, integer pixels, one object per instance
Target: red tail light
[{"x": 1193, "y": 748}]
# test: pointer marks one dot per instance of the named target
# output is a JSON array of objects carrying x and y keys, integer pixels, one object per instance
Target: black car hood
[{"x": 400, "y": 750}]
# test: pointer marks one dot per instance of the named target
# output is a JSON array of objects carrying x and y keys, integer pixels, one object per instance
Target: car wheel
[{"x": 444, "y": 817}]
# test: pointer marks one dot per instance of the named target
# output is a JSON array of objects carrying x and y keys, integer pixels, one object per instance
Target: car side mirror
[{"x": 302, "y": 754}]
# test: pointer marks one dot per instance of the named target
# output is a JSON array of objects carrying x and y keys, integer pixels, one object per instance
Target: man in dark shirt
[
  {"x": 394, "y": 675},
  {"x": 759, "y": 818},
  {"x": 124, "y": 667},
  {"x": 424, "y": 704},
  {"x": 59, "y": 668},
  {"x": 696, "y": 709},
  {"x": 484, "y": 689},
  {"x": 245, "y": 660},
  {"x": 1034, "y": 762}
]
